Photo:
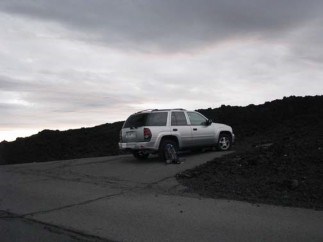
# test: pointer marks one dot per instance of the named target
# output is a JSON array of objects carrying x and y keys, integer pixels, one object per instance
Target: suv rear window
[{"x": 146, "y": 119}]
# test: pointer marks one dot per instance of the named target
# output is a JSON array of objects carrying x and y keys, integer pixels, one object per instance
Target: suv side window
[
  {"x": 196, "y": 119},
  {"x": 157, "y": 119},
  {"x": 178, "y": 119}
]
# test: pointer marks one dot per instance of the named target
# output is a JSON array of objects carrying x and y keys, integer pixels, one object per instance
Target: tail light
[{"x": 147, "y": 134}]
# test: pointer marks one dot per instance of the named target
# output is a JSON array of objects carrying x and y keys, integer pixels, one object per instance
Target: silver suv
[{"x": 150, "y": 131}]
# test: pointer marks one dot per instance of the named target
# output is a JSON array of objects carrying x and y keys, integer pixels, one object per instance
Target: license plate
[{"x": 131, "y": 135}]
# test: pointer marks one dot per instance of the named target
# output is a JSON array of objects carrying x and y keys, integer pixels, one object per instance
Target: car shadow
[{"x": 154, "y": 158}]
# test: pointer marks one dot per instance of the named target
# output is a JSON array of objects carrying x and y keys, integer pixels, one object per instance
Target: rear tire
[
  {"x": 224, "y": 142},
  {"x": 162, "y": 149},
  {"x": 140, "y": 155}
]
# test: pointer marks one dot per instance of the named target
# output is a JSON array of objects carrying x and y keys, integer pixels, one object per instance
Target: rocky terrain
[
  {"x": 50, "y": 145},
  {"x": 278, "y": 158}
]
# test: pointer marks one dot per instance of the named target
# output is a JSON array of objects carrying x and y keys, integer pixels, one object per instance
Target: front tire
[
  {"x": 224, "y": 142},
  {"x": 140, "y": 155}
]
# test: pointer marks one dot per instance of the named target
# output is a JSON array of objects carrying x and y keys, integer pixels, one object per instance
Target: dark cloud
[
  {"x": 170, "y": 24},
  {"x": 15, "y": 85},
  {"x": 9, "y": 107},
  {"x": 7, "y": 83},
  {"x": 35, "y": 98}
]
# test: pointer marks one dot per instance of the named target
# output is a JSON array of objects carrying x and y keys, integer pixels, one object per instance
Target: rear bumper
[{"x": 137, "y": 146}]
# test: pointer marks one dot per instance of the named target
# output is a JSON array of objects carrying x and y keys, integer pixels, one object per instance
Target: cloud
[
  {"x": 169, "y": 25},
  {"x": 68, "y": 64}
]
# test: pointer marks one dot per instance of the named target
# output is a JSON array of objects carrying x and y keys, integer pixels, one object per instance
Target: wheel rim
[
  {"x": 224, "y": 143},
  {"x": 164, "y": 151}
]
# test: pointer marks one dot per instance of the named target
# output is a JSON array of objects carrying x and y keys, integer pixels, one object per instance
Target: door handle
[
  {"x": 174, "y": 129},
  {"x": 195, "y": 129}
]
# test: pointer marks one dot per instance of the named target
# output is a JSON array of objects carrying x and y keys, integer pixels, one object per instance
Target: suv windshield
[{"x": 146, "y": 119}]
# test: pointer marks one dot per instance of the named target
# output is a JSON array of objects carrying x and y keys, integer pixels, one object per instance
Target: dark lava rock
[
  {"x": 293, "y": 183},
  {"x": 50, "y": 145},
  {"x": 278, "y": 158}
]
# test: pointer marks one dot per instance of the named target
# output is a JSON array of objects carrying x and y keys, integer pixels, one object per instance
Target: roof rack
[
  {"x": 146, "y": 110},
  {"x": 169, "y": 109}
]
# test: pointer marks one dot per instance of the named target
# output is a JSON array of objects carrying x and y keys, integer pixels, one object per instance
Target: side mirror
[{"x": 208, "y": 122}]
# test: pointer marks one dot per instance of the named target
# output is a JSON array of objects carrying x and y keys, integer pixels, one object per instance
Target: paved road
[{"x": 122, "y": 199}]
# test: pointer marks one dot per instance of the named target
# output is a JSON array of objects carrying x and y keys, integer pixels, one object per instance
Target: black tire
[
  {"x": 162, "y": 149},
  {"x": 140, "y": 155},
  {"x": 224, "y": 142}
]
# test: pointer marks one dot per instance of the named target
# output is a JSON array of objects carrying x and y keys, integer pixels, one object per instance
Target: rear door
[
  {"x": 202, "y": 134},
  {"x": 180, "y": 128},
  {"x": 132, "y": 130}
]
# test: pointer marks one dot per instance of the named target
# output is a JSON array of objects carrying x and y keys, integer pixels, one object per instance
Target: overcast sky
[{"x": 78, "y": 63}]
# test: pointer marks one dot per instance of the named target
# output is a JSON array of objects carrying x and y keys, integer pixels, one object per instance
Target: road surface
[{"x": 118, "y": 198}]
